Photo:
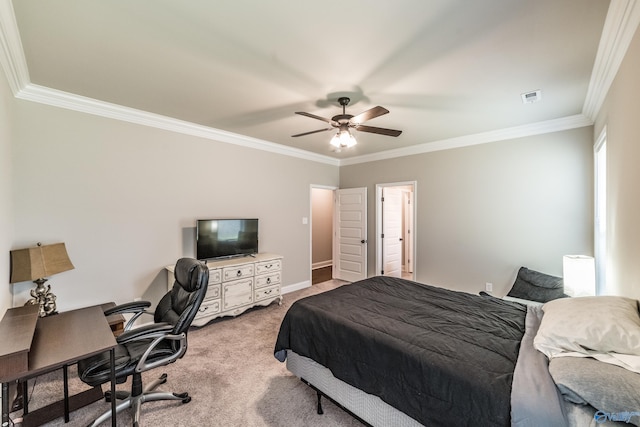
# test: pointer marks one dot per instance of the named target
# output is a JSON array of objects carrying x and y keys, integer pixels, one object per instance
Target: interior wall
[
  {"x": 485, "y": 210},
  {"x": 124, "y": 198},
  {"x": 620, "y": 115},
  {"x": 322, "y": 227},
  {"x": 6, "y": 207}
]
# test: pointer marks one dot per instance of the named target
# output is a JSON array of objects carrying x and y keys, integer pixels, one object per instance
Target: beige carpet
[{"x": 231, "y": 374}]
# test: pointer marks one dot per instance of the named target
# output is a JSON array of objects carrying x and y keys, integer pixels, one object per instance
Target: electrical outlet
[{"x": 488, "y": 287}]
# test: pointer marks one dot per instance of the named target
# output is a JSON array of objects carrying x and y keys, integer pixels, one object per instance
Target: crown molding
[
  {"x": 70, "y": 101},
  {"x": 548, "y": 126},
  {"x": 12, "y": 56},
  {"x": 620, "y": 25}
]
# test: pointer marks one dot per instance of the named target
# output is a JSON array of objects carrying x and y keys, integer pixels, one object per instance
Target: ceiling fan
[{"x": 344, "y": 122}]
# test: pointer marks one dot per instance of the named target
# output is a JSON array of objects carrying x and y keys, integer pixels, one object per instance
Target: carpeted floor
[{"x": 231, "y": 374}]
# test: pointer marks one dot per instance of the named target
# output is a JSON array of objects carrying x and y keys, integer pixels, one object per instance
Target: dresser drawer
[
  {"x": 237, "y": 292},
  {"x": 208, "y": 308},
  {"x": 268, "y": 266},
  {"x": 264, "y": 293},
  {"x": 215, "y": 276},
  {"x": 268, "y": 279},
  {"x": 238, "y": 272},
  {"x": 213, "y": 291}
]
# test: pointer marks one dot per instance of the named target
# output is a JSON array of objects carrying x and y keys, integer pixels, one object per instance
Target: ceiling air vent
[{"x": 531, "y": 97}]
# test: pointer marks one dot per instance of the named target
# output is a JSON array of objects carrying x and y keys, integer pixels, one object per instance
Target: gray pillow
[
  {"x": 535, "y": 286},
  {"x": 608, "y": 388}
]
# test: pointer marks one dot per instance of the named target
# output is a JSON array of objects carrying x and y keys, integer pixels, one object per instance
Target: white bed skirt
[{"x": 368, "y": 407}]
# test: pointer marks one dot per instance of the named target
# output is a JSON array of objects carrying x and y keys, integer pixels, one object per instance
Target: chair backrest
[{"x": 180, "y": 305}]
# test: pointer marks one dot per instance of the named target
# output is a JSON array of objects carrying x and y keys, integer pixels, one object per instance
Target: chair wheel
[
  {"x": 187, "y": 399},
  {"x": 163, "y": 377},
  {"x": 181, "y": 395}
]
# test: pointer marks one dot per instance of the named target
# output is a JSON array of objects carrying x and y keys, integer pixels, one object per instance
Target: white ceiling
[{"x": 444, "y": 68}]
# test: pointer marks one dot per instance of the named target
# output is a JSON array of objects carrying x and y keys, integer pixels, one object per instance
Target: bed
[{"x": 397, "y": 352}]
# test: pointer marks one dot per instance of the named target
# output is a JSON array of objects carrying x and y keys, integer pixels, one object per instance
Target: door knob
[{"x": 363, "y": 241}]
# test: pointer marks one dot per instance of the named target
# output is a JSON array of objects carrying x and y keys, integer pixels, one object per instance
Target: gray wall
[
  {"x": 125, "y": 197},
  {"x": 6, "y": 208},
  {"x": 621, "y": 116},
  {"x": 483, "y": 211}
]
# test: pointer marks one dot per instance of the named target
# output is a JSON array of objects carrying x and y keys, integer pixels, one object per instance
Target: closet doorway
[
  {"x": 395, "y": 229},
  {"x": 339, "y": 232},
  {"x": 322, "y": 213}
]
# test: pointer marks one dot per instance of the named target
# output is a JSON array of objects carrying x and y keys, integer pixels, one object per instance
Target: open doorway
[
  {"x": 395, "y": 229},
  {"x": 322, "y": 212},
  {"x": 339, "y": 233}
]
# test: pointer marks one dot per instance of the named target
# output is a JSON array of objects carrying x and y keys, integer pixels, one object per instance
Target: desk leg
[
  {"x": 113, "y": 387},
  {"x": 65, "y": 382},
  {"x": 25, "y": 397},
  {"x": 5, "y": 404}
]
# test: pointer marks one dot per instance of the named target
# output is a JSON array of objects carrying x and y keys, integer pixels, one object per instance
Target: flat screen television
[{"x": 225, "y": 238}]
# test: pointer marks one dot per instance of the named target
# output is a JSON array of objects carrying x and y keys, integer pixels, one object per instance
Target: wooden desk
[
  {"x": 55, "y": 342},
  {"x": 16, "y": 332},
  {"x": 116, "y": 321}
]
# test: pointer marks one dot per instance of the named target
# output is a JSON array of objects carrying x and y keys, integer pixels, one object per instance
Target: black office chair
[{"x": 153, "y": 345}]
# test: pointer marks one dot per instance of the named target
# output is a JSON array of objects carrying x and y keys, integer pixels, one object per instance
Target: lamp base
[{"x": 43, "y": 297}]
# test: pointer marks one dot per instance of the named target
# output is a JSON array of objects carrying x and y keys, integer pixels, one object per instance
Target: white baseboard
[
  {"x": 295, "y": 287},
  {"x": 322, "y": 264}
]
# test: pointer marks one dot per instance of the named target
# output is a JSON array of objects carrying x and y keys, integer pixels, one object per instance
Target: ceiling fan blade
[
  {"x": 313, "y": 116},
  {"x": 381, "y": 131},
  {"x": 309, "y": 133},
  {"x": 369, "y": 114}
]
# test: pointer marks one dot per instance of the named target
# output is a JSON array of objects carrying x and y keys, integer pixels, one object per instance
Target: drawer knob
[
  {"x": 203, "y": 309},
  {"x": 239, "y": 273},
  {"x": 268, "y": 280}
]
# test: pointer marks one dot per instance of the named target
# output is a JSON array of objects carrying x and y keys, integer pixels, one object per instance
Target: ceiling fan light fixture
[
  {"x": 344, "y": 122},
  {"x": 343, "y": 139}
]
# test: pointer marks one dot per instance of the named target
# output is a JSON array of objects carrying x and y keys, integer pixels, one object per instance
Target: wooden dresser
[{"x": 237, "y": 284}]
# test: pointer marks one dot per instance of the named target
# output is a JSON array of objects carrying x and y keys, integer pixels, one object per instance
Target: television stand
[{"x": 237, "y": 284}]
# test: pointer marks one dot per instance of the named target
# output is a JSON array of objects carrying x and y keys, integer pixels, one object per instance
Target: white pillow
[{"x": 606, "y": 328}]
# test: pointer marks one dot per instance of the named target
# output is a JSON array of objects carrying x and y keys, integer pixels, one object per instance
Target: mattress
[{"x": 367, "y": 407}]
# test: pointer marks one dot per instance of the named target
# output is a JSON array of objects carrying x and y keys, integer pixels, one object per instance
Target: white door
[
  {"x": 392, "y": 214},
  {"x": 408, "y": 232},
  {"x": 350, "y": 260}
]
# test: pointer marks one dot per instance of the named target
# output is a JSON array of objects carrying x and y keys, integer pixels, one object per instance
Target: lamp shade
[
  {"x": 39, "y": 262},
  {"x": 579, "y": 273}
]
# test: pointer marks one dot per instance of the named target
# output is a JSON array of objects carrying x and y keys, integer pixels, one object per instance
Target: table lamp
[
  {"x": 35, "y": 264},
  {"x": 579, "y": 275}
]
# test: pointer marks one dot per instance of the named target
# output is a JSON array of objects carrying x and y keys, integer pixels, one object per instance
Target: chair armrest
[
  {"x": 135, "y": 307},
  {"x": 128, "y": 307},
  {"x": 143, "y": 365},
  {"x": 153, "y": 330}
]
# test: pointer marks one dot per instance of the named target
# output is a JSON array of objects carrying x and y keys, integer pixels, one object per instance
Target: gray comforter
[{"x": 440, "y": 356}]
